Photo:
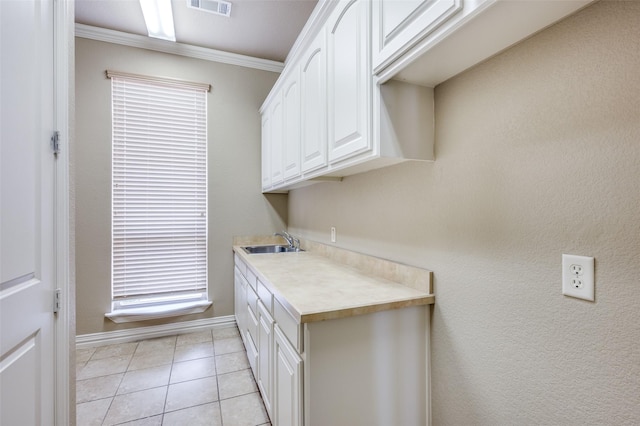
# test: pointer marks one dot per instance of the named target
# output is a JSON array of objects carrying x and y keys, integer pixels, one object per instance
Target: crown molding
[
  {"x": 144, "y": 42},
  {"x": 318, "y": 17},
  {"x": 314, "y": 24}
]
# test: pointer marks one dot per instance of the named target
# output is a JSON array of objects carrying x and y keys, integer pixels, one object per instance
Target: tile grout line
[
  {"x": 166, "y": 395},
  {"x": 215, "y": 364},
  {"x": 171, "y": 369},
  {"x": 104, "y": 418},
  {"x": 119, "y": 384},
  {"x": 213, "y": 340}
]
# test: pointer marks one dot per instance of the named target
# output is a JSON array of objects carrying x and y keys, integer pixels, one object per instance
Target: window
[{"x": 159, "y": 197}]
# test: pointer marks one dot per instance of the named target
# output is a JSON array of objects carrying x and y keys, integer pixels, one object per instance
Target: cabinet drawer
[
  {"x": 265, "y": 297},
  {"x": 251, "y": 278},
  {"x": 240, "y": 264},
  {"x": 289, "y": 326}
]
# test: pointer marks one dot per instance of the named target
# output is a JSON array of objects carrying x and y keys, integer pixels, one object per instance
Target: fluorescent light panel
[{"x": 159, "y": 19}]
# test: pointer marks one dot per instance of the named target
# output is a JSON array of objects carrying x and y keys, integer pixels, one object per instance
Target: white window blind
[{"x": 159, "y": 191}]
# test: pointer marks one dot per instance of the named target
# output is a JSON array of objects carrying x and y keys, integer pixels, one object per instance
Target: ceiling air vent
[{"x": 212, "y": 6}]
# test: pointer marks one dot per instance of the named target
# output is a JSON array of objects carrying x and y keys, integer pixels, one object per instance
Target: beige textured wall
[
  {"x": 537, "y": 154},
  {"x": 236, "y": 205}
]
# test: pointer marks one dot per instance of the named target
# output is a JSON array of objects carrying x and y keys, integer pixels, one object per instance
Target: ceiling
[{"x": 263, "y": 29}]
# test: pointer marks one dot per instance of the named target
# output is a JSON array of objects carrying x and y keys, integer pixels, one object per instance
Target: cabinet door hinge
[
  {"x": 55, "y": 143},
  {"x": 56, "y": 301}
]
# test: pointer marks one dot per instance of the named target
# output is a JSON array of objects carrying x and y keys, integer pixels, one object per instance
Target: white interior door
[{"x": 26, "y": 214}]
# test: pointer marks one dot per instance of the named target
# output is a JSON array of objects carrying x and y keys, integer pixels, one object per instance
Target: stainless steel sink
[{"x": 270, "y": 249}]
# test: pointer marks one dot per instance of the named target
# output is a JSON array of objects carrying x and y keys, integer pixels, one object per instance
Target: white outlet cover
[{"x": 578, "y": 276}]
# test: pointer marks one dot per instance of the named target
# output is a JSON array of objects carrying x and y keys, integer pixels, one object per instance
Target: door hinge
[
  {"x": 55, "y": 142},
  {"x": 56, "y": 301}
]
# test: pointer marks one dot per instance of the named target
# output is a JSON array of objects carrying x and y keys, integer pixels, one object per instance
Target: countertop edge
[{"x": 368, "y": 309}]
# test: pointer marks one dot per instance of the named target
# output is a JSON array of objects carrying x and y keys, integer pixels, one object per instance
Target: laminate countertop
[{"x": 314, "y": 287}]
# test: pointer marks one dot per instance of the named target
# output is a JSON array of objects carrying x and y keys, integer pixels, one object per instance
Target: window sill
[{"x": 157, "y": 311}]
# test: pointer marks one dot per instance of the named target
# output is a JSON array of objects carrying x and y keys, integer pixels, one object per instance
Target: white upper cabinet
[
  {"x": 439, "y": 39},
  {"x": 400, "y": 24},
  {"x": 357, "y": 92},
  {"x": 349, "y": 79},
  {"x": 291, "y": 115},
  {"x": 314, "y": 104}
]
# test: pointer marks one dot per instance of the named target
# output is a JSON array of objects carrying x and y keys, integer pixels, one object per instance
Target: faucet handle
[
  {"x": 286, "y": 236},
  {"x": 291, "y": 240},
  {"x": 296, "y": 242}
]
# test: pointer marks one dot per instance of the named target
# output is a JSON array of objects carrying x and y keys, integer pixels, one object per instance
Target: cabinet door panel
[
  {"x": 314, "y": 106},
  {"x": 288, "y": 382},
  {"x": 266, "y": 151},
  {"x": 265, "y": 350},
  {"x": 252, "y": 326},
  {"x": 291, "y": 112},
  {"x": 400, "y": 24},
  {"x": 252, "y": 355},
  {"x": 277, "y": 134},
  {"x": 349, "y": 79}
]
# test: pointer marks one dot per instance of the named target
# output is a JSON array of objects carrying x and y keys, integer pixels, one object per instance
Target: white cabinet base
[{"x": 368, "y": 370}]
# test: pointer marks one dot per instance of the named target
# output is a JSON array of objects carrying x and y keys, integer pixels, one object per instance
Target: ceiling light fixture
[{"x": 159, "y": 19}]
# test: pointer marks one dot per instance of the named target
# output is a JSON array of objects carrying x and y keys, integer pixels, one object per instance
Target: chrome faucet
[{"x": 293, "y": 241}]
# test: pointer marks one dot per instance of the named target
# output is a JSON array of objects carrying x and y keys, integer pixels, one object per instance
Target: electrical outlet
[
  {"x": 578, "y": 276},
  {"x": 333, "y": 234}
]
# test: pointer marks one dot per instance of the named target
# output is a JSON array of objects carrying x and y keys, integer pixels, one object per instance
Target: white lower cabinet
[
  {"x": 367, "y": 370},
  {"x": 287, "y": 375},
  {"x": 364, "y": 370}
]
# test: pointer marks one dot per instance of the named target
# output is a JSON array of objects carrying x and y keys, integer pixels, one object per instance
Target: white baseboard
[{"x": 141, "y": 333}]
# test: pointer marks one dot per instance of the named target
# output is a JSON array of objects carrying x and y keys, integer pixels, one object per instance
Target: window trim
[{"x": 172, "y": 82}]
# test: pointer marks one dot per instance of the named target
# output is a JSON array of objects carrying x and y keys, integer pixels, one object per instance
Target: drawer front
[
  {"x": 240, "y": 264},
  {"x": 265, "y": 297},
  {"x": 252, "y": 279},
  {"x": 289, "y": 326}
]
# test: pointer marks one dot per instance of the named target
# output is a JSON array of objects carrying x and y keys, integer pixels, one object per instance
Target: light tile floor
[{"x": 191, "y": 379}]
